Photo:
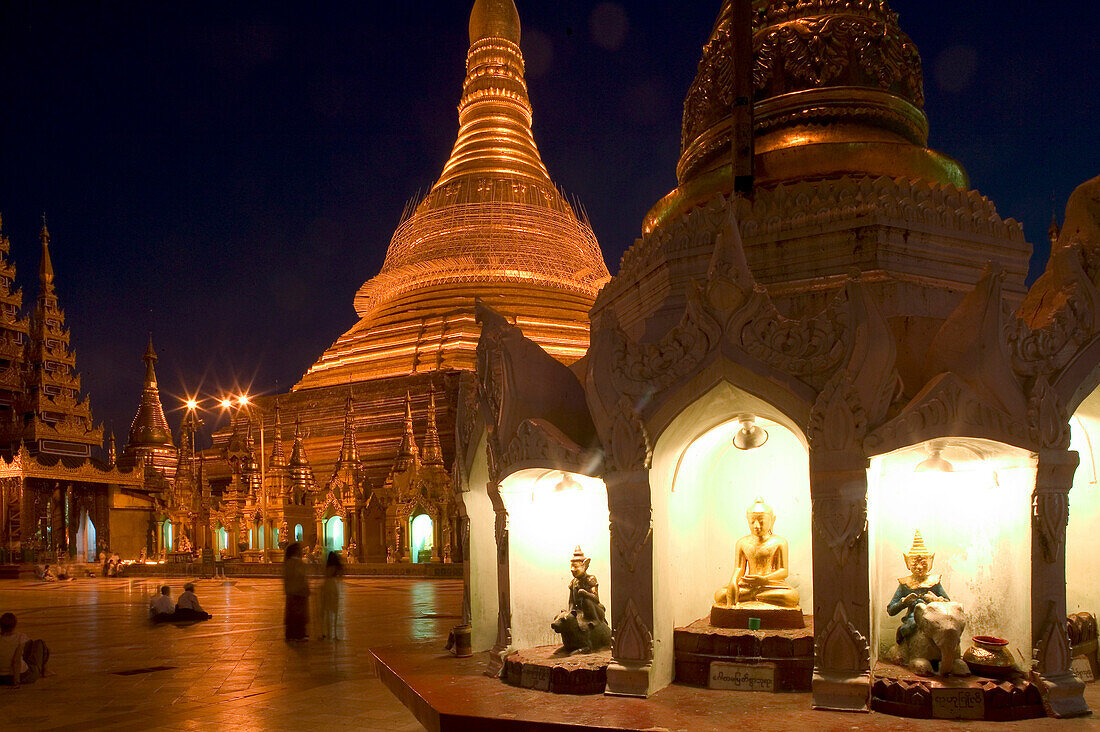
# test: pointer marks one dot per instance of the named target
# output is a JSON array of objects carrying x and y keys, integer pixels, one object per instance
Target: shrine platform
[
  {"x": 447, "y": 694},
  {"x": 238, "y": 569}
]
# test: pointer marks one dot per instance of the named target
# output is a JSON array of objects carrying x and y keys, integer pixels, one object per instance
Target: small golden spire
[
  {"x": 45, "y": 271},
  {"x": 494, "y": 19}
]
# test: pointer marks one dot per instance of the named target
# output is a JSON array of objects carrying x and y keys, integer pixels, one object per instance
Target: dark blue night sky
[{"x": 227, "y": 175}]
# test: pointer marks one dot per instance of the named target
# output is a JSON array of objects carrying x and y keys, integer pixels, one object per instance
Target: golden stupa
[{"x": 494, "y": 227}]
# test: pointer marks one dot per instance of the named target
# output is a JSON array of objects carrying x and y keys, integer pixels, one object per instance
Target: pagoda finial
[
  {"x": 408, "y": 440},
  {"x": 45, "y": 270},
  {"x": 112, "y": 454},
  {"x": 494, "y": 114},
  {"x": 349, "y": 451},
  {"x": 494, "y": 19},
  {"x": 1054, "y": 230},
  {"x": 278, "y": 457},
  {"x": 433, "y": 450},
  {"x": 150, "y": 359}
]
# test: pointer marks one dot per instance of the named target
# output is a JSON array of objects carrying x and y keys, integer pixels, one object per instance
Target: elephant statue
[
  {"x": 580, "y": 635},
  {"x": 939, "y": 627}
]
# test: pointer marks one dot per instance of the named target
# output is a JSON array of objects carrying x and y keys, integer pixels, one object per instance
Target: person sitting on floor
[
  {"x": 187, "y": 606},
  {"x": 161, "y": 607},
  {"x": 22, "y": 660}
]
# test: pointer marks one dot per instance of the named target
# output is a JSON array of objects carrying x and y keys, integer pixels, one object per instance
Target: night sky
[{"x": 227, "y": 175}]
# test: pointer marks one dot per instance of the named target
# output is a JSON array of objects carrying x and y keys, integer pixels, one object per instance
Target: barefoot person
[
  {"x": 161, "y": 606},
  {"x": 22, "y": 660},
  {"x": 188, "y": 607}
]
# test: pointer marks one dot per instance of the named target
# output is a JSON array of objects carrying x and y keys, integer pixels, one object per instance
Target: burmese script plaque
[
  {"x": 742, "y": 676},
  {"x": 535, "y": 677},
  {"x": 1082, "y": 668},
  {"x": 958, "y": 704}
]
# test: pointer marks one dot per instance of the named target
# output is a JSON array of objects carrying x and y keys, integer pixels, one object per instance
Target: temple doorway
[
  {"x": 298, "y": 534},
  {"x": 85, "y": 539},
  {"x": 166, "y": 535},
  {"x": 550, "y": 514},
  {"x": 222, "y": 538},
  {"x": 421, "y": 534},
  {"x": 971, "y": 501},
  {"x": 334, "y": 534}
]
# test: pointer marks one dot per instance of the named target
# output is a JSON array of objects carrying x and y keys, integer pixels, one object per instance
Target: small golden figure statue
[{"x": 758, "y": 587}]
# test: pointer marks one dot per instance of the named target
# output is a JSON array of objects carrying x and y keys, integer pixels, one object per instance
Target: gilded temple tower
[
  {"x": 493, "y": 227},
  {"x": 55, "y": 419},
  {"x": 14, "y": 330},
  {"x": 150, "y": 436}
]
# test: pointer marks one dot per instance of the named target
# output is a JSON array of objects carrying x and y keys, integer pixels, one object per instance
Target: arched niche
[
  {"x": 550, "y": 513},
  {"x": 421, "y": 536},
  {"x": 976, "y": 518},
  {"x": 701, "y": 486},
  {"x": 334, "y": 533},
  {"x": 1082, "y": 537},
  {"x": 481, "y": 572}
]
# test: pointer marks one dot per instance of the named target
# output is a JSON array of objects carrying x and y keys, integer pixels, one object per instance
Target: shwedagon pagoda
[{"x": 822, "y": 323}]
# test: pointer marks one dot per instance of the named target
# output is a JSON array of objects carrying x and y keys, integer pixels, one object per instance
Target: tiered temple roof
[
  {"x": 55, "y": 419},
  {"x": 14, "y": 330}
]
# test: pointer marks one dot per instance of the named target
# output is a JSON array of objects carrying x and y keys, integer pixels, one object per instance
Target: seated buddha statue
[{"x": 759, "y": 585}]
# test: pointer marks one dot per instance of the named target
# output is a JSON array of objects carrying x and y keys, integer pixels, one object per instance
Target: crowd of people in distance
[{"x": 186, "y": 607}]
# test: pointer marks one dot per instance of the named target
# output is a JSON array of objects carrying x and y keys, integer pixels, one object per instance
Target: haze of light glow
[
  {"x": 977, "y": 520},
  {"x": 546, "y": 523},
  {"x": 226, "y": 403}
]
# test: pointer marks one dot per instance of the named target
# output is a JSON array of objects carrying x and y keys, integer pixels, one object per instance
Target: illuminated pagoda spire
[
  {"x": 55, "y": 419},
  {"x": 13, "y": 339},
  {"x": 349, "y": 450},
  {"x": 344, "y": 482},
  {"x": 150, "y": 437},
  {"x": 302, "y": 483},
  {"x": 408, "y": 452},
  {"x": 278, "y": 456},
  {"x": 250, "y": 466},
  {"x": 433, "y": 450},
  {"x": 494, "y": 226}
]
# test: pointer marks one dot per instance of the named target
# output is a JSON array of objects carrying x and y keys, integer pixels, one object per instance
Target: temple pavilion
[{"x": 823, "y": 276}]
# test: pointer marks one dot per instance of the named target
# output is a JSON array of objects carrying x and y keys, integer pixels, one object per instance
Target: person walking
[
  {"x": 332, "y": 595},
  {"x": 296, "y": 586}
]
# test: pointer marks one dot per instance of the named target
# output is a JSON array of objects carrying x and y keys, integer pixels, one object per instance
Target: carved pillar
[
  {"x": 632, "y": 608},
  {"x": 503, "y": 645},
  {"x": 842, "y": 600},
  {"x": 1062, "y": 691}
]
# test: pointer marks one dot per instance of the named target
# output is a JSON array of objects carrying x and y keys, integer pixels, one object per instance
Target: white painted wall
[
  {"x": 976, "y": 519},
  {"x": 544, "y": 526},
  {"x": 484, "y": 602},
  {"x": 1083, "y": 532},
  {"x": 701, "y": 487}
]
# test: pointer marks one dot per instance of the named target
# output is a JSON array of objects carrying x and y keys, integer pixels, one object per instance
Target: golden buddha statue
[{"x": 758, "y": 589}]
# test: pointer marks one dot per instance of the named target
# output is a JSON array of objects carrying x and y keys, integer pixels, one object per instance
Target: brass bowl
[{"x": 990, "y": 656}]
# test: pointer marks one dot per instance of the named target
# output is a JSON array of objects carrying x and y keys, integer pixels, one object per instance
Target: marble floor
[{"x": 234, "y": 672}]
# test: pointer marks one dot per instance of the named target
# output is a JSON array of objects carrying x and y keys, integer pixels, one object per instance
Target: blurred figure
[
  {"x": 332, "y": 596},
  {"x": 161, "y": 606},
  {"x": 22, "y": 660},
  {"x": 296, "y": 586},
  {"x": 187, "y": 606}
]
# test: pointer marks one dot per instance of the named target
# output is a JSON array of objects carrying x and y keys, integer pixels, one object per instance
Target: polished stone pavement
[
  {"x": 236, "y": 672},
  {"x": 232, "y": 672}
]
